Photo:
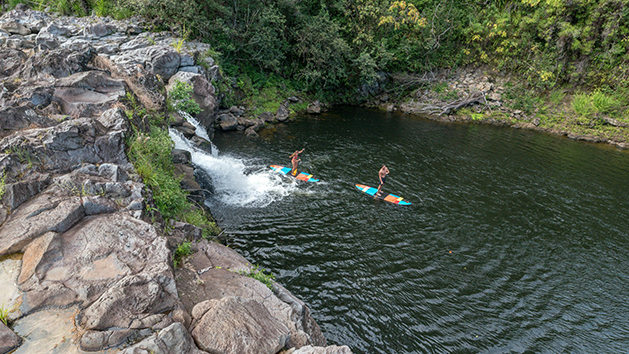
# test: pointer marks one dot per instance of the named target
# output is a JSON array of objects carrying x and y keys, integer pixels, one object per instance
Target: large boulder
[
  {"x": 282, "y": 113},
  {"x": 172, "y": 339},
  {"x": 8, "y": 339},
  {"x": 58, "y": 63},
  {"x": 44, "y": 213},
  {"x": 10, "y": 61},
  {"x": 227, "y": 121},
  {"x": 203, "y": 93},
  {"x": 113, "y": 263},
  {"x": 233, "y": 325},
  {"x": 216, "y": 271},
  {"x": 88, "y": 93},
  {"x": 161, "y": 60},
  {"x": 14, "y": 119},
  {"x": 69, "y": 143}
]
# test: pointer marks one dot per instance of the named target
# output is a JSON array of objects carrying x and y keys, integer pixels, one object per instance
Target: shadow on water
[{"x": 516, "y": 242}]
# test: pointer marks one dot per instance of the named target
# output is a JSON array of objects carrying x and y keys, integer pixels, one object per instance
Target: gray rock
[
  {"x": 58, "y": 63},
  {"x": 44, "y": 213},
  {"x": 203, "y": 93},
  {"x": 99, "y": 30},
  {"x": 97, "y": 205},
  {"x": 251, "y": 132},
  {"x": 13, "y": 26},
  {"x": 180, "y": 156},
  {"x": 172, "y": 339},
  {"x": 88, "y": 93},
  {"x": 46, "y": 41},
  {"x": 112, "y": 172},
  {"x": 494, "y": 96},
  {"x": 227, "y": 121},
  {"x": 135, "y": 301},
  {"x": 282, "y": 113},
  {"x": 237, "y": 110},
  {"x": 191, "y": 69},
  {"x": 19, "y": 42},
  {"x": 333, "y": 349},
  {"x": 161, "y": 60},
  {"x": 213, "y": 274},
  {"x": 96, "y": 340},
  {"x": 114, "y": 119},
  {"x": 57, "y": 30},
  {"x": 101, "y": 257},
  {"x": 15, "y": 119},
  {"x": 314, "y": 108},
  {"x": 236, "y": 325},
  {"x": 187, "y": 60},
  {"x": 267, "y": 117},
  {"x": 136, "y": 43},
  {"x": 19, "y": 192},
  {"x": 8, "y": 339},
  {"x": 107, "y": 49}
]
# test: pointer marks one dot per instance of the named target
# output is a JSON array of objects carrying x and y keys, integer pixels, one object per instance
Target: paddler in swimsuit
[
  {"x": 295, "y": 160},
  {"x": 382, "y": 174}
]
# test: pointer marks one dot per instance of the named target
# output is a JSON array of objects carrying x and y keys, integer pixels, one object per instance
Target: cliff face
[{"x": 73, "y": 220}]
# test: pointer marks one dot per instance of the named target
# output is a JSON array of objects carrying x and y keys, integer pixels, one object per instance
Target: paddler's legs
[{"x": 294, "y": 170}]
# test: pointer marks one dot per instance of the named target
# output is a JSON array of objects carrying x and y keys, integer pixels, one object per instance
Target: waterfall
[{"x": 236, "y": 181}]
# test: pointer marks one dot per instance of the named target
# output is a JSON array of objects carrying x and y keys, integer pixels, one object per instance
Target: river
[{"x": 516, "y": 241}]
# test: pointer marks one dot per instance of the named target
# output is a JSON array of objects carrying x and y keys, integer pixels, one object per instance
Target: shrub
[
  {"x": 2, "y": 185},
  {"x": 582, "y": 105},
  {"x": 180, "y": 97},
  {"x": 182, "y": 251},
  {"x": 604, "y": 103},
  {"x": 259, "y": 274},
  {"x": 556, "y": 96}
]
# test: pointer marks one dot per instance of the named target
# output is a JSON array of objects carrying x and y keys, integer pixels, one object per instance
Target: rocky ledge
[{"x": 85, "y": 266}]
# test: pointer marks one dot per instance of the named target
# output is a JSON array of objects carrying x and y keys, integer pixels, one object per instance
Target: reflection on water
[{"x": 516, "y": 242}]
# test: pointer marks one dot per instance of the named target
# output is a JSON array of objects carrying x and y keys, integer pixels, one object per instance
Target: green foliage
[
  {"x": 3, "y": 179},
  {"x": 556, "y": 96},
  {"x": 180, "y": 97},
  {"x": 151, "y": 157},
  {"x": 150, "y": 154},
  {"x": 604, "y": 103},
  {"x": 477, "y": 116},
  {"x": 198, "y": 218},
  {"x": 598, "y": 102},
  {"x": 330, "y": 47},
  {"x": 523, "y": 98},
  {"x": 24, "y": 155},
  {"x": 259, "y": 274},
  {"x": 5, "y": 312},
  {"x": 183, "y": 250}
]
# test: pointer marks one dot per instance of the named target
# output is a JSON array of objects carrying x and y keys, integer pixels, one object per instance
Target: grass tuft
[{"x": 259, "y": 274}]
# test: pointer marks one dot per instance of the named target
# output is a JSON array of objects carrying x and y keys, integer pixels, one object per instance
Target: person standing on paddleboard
[
  {"x": 382, "y": 174},
  {"x": 295, "y": 160}
]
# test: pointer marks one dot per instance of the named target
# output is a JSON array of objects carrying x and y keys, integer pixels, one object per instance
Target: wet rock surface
[
  {"x": 8, "y": 339},
  {"x": 95, "y": 265}
]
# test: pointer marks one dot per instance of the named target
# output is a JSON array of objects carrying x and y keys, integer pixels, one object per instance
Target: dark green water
[{"x": 516, "y": 242}]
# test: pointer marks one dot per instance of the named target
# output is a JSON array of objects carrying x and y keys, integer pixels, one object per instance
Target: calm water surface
[{"x": 516, "y": 242}]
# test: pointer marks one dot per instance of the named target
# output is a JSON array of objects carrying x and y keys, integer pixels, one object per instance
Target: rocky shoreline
[
  {"x": 481, "y": 91},
  {"x": 87, "y": 266}
]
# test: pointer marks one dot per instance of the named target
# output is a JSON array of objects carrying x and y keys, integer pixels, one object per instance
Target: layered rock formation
[{"x": 74, "y": 209}]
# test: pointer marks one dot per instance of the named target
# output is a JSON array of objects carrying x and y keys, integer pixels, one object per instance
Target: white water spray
[
  {"x": 232, "y": 184},
  {"x": 199, "y": 129}
]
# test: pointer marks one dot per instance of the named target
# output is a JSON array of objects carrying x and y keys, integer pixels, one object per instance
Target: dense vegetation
[
  {"x": 335, "y": 44},
  {"x": 149, "y": 149},
  {"x": 334, "y": 48}
]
